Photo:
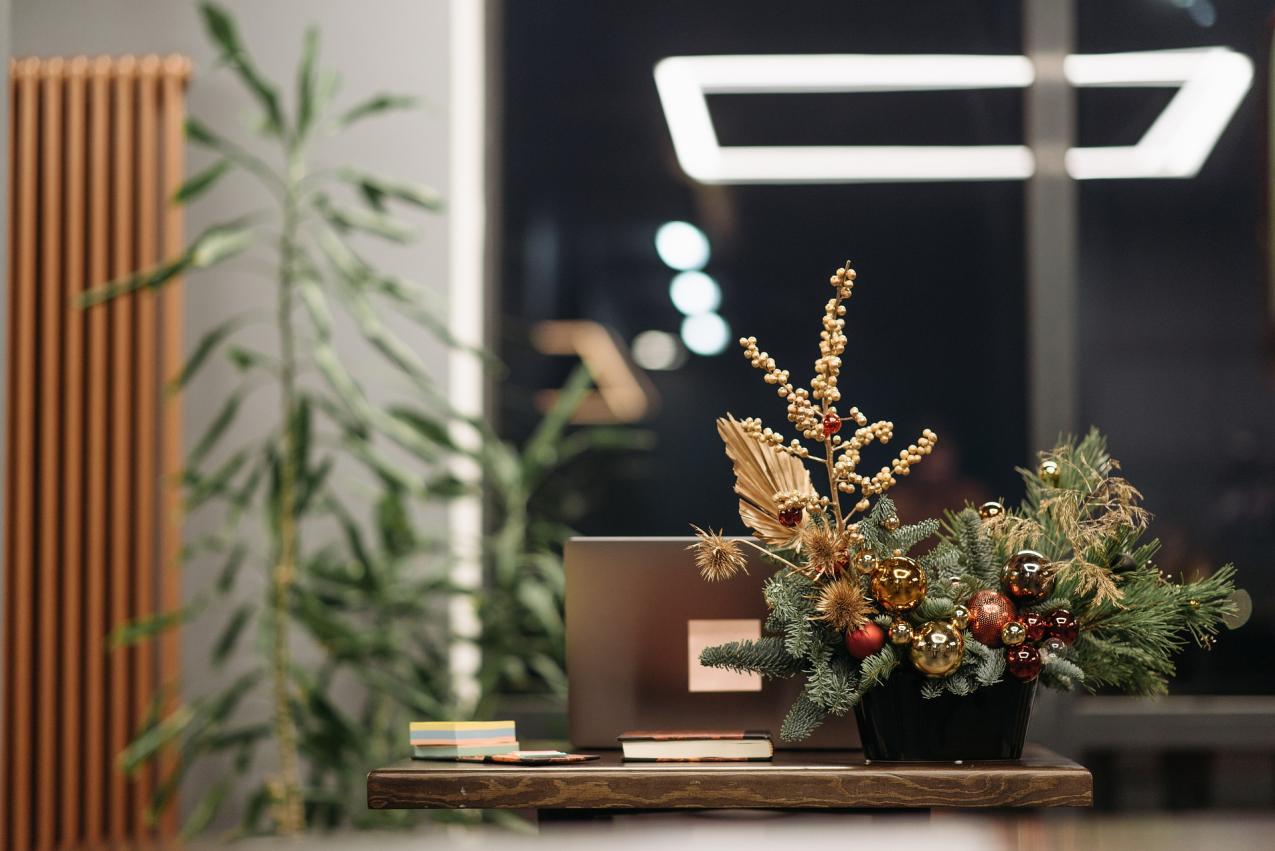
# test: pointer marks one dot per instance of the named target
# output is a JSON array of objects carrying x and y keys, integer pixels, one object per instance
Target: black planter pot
[{"x": 897, "y": 723}]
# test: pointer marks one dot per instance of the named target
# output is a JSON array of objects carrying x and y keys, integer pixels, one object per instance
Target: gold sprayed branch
[{"x": 814, "y": 413}]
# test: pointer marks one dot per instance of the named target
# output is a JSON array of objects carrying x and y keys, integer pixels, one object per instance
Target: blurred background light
[
  {"x": 705, "y": 334},
  {"x": 682, "y": 246},
  {"x": 694, "y": 293},
  {"x": 657, "y": 350}
]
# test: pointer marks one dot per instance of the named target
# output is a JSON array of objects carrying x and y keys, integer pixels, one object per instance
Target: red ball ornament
[
  {"x": 1023, "y": 662},
  {"x": 831, "y": 424},
  {"x": 865, "y": 640},
  {"x": 989, "y": 612},
  {"x": 1063, "y": 626},
  {"x": 1037, "y": 625},
  {"x": 790, "y": 516}
]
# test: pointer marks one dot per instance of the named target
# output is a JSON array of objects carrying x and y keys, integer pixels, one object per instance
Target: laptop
[{"x": 637, "y": 616}]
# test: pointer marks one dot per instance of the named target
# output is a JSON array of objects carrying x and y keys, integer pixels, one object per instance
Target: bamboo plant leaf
[
  {"x": 540, "y": 452},
  {"x": 372, "y": 222},
  {"x": 306, "y": 84},
  {"x": 221, "y": 28},
  {"x": 230, "y": 567},
  {"x": 150, "y": 741},
  {"x": 214, "y": 245},
  {"x": 377, "y": 190},
  {"x": 376, "y": 105},
  {"x": 156, "y": 624},
  {"x": 206, "y": 809},
  {"x": 202, "y": 182},
  {"x": 206, "y": 345},
  {"x": 217, "y": 428},
  {"x": 229, "y": 635}
]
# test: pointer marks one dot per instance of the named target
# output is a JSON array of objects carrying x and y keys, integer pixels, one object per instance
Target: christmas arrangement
[{"x": 1062, "y": 590}]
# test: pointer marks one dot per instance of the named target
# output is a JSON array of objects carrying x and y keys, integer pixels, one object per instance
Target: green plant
[
  {"x": 521, "y": 607},
  {"x": 348, "y": 564},
  {"x": 369, "y": 594}
]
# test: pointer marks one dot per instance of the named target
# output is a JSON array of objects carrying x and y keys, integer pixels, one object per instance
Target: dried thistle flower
[
  {"x": 825, "y": 549},
  {"x": 843, "y": 605},
  {"x": 717, "y": 557}
]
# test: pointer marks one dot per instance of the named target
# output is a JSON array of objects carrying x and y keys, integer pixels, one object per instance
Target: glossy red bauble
[
  {"x": 831, "y": 424},
  {"x": 1063, "y": 626},
  {"x": 1037, "y": 625},
  {"x": 989, "y": 611},
  {"x": 865, "y": 640},
  {"x": 1023, "y": 662},
  {"x": 790, "y": 516}
]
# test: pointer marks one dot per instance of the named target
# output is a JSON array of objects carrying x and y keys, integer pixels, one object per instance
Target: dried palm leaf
[{"x": 760, "y": 473}]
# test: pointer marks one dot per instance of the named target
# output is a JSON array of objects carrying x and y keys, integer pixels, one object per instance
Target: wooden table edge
[{"x": 1034, "y": 782}]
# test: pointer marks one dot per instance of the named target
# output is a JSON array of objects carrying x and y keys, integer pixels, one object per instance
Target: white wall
[{"x": 400, "y": 45}]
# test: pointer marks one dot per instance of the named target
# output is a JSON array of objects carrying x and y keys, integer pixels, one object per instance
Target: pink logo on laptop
[{"x": 706, "y": 633}]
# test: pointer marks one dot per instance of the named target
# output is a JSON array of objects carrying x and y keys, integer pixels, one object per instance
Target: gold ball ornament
[
  {"x": 1013, "y": 634},
  {"x": 865, "y": 562},
  {"x": 898, "y": 583},
  {"x": 937, "y": 649},
  {"x": 900, "y": 632},
  {"x": 891, "y": 522},
  {"x": 960, "y": 617},
  {"x": 1050, "y": 473},
  {"x": 988, "y": 510},
  {"x": 1026, "y": 576}
]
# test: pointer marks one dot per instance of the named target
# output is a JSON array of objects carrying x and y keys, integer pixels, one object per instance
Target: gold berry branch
[{"x": 814, "y": 413}]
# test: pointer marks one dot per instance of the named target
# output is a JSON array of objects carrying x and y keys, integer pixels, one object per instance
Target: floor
[{"x": 745, "y": 831}]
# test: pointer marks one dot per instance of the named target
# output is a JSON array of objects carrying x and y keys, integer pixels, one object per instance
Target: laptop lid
[{"x": 637, "y": 615}]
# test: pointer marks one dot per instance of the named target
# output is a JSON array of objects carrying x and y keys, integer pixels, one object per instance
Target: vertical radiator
[{"x": 91, "y": 528}]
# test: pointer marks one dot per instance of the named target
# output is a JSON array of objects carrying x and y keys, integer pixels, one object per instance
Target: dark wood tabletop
[{"x": 794, "y": 780}]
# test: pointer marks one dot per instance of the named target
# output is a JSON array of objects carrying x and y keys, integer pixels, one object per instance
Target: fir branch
[
  {"x": 941, "y": 563},
  {"x": 831, "y": 684},
  {"x": 875, "y": 670},
  {"x": 931, "y": 689},
  {"x": 935, "y": 608},
  {"x": 872, "y": 527},
  {"x": 906, "y": 537},
  {"x": 986, "y": 665},
  {"x": 977, "y": 554},
  {"x": 765, "y": 656},
  {"x": 1055, "y": 602},
  {"x": 1058, "y": 672},
  {"x": 960, "y": 684},
  {"x": 803, "y": 718}
]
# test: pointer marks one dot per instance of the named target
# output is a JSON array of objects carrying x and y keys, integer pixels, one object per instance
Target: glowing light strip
[
  {"x": 683, "y": 82},
  {"x": 1213, "y": 81},
  {"x": 465, "y": 320}
]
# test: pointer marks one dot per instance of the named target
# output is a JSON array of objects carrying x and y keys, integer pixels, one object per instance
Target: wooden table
[{"x": 794, "y": 780}]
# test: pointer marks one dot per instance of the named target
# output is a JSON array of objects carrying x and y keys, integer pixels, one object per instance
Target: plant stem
[
  {"x": 832, "y": 477},
  {"x": 290, "y": 805}
]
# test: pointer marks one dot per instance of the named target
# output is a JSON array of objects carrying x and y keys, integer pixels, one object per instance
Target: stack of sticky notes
[{"x": 453, "y": 739}]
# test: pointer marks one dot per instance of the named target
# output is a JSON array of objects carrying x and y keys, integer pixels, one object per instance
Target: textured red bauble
[
  {"x": 1037, "y": 625},
  {"x": 790, "y": 516},
  {"x": 865, "y": 640},
  {"x": 1023, "y": 662},
  {"x": 1063, "y": 626},
  {"x": 989, "y": 612},
  {"x": 831, "y": 424}
]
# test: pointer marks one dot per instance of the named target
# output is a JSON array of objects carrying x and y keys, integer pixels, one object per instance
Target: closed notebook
[
  {"x": 453, "y": 752},
  {"x": 461, "y": 733},
  {"x": 696, "y": 746}
]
